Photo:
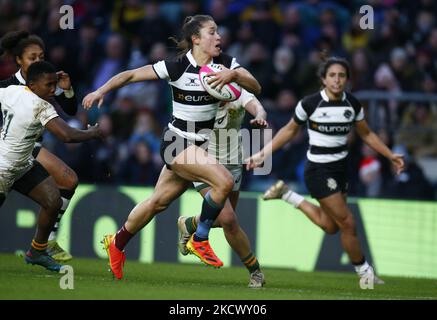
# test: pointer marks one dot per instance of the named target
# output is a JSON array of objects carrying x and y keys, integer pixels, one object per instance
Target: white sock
[
  {"x": 293, "y": 198},
  {"x": 53, "y": 234},
  {"x": 362, "y": 268}
]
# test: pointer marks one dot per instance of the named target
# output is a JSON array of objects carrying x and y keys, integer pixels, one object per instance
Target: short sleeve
[
  {"x": 2, "y": 90},
  {"x": 360, "y": 115},
  {"x": 161, "y": 70},
  {"x": 300, "y": 115},
  {"x": 245, "y": 97},
  {"x": 356, "y": 105},
  {"x": 234, "y": 64},
  {"x": 44, "y": 112}
]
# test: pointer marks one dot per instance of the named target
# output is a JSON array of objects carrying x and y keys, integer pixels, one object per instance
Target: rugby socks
[
  {"x": 122, "y": 238},
  {"x": 293, "y": 198},
  {"x": 38, "y": 248},
  {"x": 191, "y": 224},
  {"x": 66, "y": 196},
  {"x": 210, "y": 211},
  {"x": 251, "y": 263}
]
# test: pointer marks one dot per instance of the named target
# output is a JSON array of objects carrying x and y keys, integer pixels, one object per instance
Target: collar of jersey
[
  {"x": 20, "y": 77},
  {"x": 191, "y": 59},
  {"x": 326, "y": 98}
]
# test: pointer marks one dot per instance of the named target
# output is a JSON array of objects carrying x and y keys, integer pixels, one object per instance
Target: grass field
[{"x": 186, "y": 282}]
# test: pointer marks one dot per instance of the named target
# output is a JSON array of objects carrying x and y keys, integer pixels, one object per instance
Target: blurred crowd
[{"x": 279, "y": 42}]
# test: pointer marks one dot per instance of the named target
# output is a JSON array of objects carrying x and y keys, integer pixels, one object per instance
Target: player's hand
[
  {"x": 91, "y": 98},
  {"x": 97, "y": 133},
  {"x": 398, "y": 162},
  {"x": 219, "y": 79},
  {"x": 64, "y": 81},
  {"x": 254, "y": 161},
  {"x": 259, "y": 123}
]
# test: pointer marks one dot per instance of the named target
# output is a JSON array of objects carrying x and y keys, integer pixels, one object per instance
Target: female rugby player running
[
  {"x": 226, "y": 145},
  {"x": 184, "y": 140},
  {"x": 330, "y": 115}
]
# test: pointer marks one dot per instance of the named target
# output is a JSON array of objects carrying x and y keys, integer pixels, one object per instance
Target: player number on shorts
[{"x": 7, "y": 117}]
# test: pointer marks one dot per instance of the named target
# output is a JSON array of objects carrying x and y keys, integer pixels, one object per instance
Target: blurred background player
[
  {"x": 226, "y": 145},
  {"x": 183, "y": 145},
  {"x": 26, "y": 113},
  {"x": 330, "y": 115},
  {"x": 26, "y": 49}
]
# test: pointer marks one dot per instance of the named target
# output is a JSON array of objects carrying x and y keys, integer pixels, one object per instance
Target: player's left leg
[
  {"x": 336, "y": 207},
  {"x": 234, "y": 234},
  {"x": 280, "y": 190},
  {"x": 67, "y": 181},
  {"x": 40, "y": 187}
]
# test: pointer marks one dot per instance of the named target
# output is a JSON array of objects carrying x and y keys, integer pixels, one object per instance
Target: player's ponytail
[
  {"x": 191, "y": 27},
  {"x": 14, "y": 43}
]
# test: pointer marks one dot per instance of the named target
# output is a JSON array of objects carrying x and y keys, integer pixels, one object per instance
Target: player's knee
[
  {"x": 347, "y": 224},
  {"x": 331, "y": 229},
  {"x": 71, "y": 181},
  {"x": 226, "y": 184}
]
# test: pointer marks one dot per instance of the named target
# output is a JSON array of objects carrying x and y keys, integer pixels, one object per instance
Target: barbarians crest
[{"x": 331, "y": 183}]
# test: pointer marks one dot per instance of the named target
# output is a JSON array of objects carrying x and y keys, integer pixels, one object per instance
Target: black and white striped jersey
[
  {"x": 329, "y": 123},
  {"x": 191, "y": 103}
]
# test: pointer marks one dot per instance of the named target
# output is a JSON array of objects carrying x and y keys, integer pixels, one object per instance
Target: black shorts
[
  {"x": 31, "y": 179},
  {"x": 171, "y": 148},
  {"x": 324, "y": 179},
  {"x": 36, "y": 150}
]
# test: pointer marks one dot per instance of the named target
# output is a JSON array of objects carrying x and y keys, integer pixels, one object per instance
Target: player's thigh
[
  {"x": 195, "y": 164},
  {"x": 168, "y": 187},
  {"x": 64, "y": 176},
  {"x": 39, "y": 186},
  {"x": 335, "y": 207}
]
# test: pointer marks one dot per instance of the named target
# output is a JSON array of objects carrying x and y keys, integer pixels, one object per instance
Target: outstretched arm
[
  {"x": 287, "y": 133},
  {"x": 67, "y": 134},
  {"x": 373, "y": 141},
  {"x": 118, "y": 81}
]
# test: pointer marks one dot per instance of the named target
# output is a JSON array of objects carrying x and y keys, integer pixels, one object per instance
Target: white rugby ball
[{"x": 229, "y": 92}]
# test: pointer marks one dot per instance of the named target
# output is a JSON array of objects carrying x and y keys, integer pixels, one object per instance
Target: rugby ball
[{"x": 229, "y": 92}]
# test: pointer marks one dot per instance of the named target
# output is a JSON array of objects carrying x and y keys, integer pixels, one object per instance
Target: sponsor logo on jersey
[
  {"x": 192, "y": 98},
  {"x": 329, "y": 128}
]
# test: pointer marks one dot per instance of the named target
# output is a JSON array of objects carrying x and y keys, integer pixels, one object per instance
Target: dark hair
[
  {"x": 37, "y": 69},
  {"x": 15, "y": 42},
  {"x": 191, "y": 27},
  {"x": 328, "y": 62}
]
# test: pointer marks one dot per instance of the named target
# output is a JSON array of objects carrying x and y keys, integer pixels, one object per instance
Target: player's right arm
[
  {"x": 67, "y": 134},
  {"x": 284, "y": 135},
  {"x": 118, "y": 81}
]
